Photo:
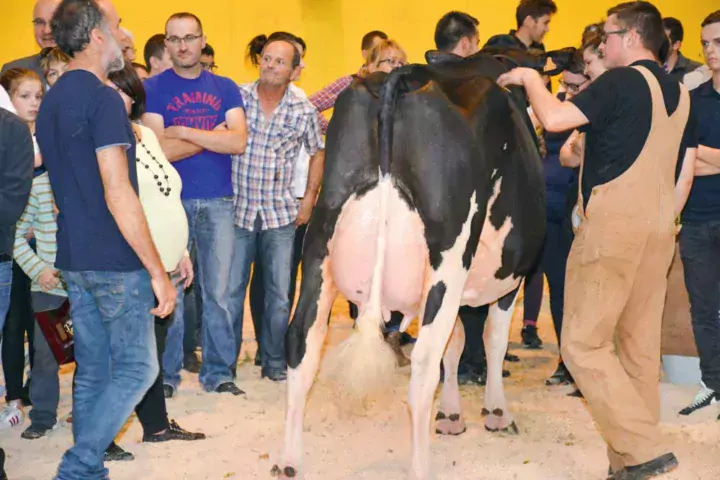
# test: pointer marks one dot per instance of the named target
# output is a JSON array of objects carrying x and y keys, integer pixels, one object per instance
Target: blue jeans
[
  {"x": 212, "y": 229},
  {"x": 5, "y": 285},
  {"x": 116, "y": 362},
  {"x": 275, "y": 248}
]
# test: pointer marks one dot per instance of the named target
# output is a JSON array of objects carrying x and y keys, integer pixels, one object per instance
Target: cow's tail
[{"x": 365, "y": 364}]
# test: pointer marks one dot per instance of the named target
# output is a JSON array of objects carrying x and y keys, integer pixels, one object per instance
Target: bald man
[{"x": 42, "y": 13}]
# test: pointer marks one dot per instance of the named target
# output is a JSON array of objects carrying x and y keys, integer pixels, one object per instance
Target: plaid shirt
[
  {"x": 263, "y": 175},
  {"x": 325, "y": 98}
]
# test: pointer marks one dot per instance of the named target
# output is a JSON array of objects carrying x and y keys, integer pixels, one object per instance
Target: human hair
[
  {"x": 674, "y": 28},
  {"x": 591, "y": 31},
  {"x": 182, "y": 16},
  {"x": 374, "y": 54},
  {"x": 140, "y": 66},
  {"x": 576, "y": 64},
  {"x": 73, "y": 22},
  {"x": 592, "y": 42},
  {"x": 208, "y": 50},
  {"x": 711, "y": 19},
  {"x": 645, "y": 19},
  {"x": 453, "y": 27},
  {"x": 534, "y": 9},
  {"x": 12, "y": 78},
  {"x": 129, "y": 83},
  {"x": 154, "y": 48},
  {"x": 51, "y": 55},
  {"x": 369, "y": 38},
  {"x": 258, "y": 44}
]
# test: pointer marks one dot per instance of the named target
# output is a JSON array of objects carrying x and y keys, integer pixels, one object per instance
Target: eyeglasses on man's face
[
  {"x": 572, "y": 87},
  {"x": 605, "y": 35},
  {"x": 209, "y": 66},
  {"x": 188, "y": 39}
]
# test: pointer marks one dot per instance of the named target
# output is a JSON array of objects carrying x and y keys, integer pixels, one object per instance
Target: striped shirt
[
  {"x": 263, "y": 175},
  {"x": 40, "y": 217}
]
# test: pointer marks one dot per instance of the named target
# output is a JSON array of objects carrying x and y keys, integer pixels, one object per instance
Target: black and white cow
[{"x": 432, "y": 198}]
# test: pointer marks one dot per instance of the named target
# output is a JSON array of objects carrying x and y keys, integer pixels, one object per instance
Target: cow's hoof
[
  {"x": 453, "y": 424},
  {"x": 287, "y": 472},
  {"x": 498, "y": 421}
]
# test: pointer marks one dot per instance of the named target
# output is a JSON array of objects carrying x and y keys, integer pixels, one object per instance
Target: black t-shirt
[{"x": 618, "y": 105}]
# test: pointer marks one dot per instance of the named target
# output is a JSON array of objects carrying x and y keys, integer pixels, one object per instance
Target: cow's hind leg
[
  {"x": 304, "y": 340},
  {"x": 442, "y": 302},
  {"x": 496, "y": 334},
  {"x": 449, "y": 418}
]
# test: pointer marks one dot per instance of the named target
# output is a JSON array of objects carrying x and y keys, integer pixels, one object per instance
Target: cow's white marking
[
  {"x": 482, "y": 287},
  {"x": 450, "y": 396},
  {"x": 300, "y": 379},
  {"x": 497, "y": 330},
  {"x": 505, "y": 147},
  {"x": 431, "y": 343}
]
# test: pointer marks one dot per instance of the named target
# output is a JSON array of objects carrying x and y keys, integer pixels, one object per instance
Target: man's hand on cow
[
  {"x": 516, "y": 76},
  {"x": 304, "y": 212}
]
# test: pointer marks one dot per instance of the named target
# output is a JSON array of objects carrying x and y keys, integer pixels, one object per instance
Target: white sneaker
[
  {"x": 705, "y": 397},
  {"x": 12, "y": 415}
]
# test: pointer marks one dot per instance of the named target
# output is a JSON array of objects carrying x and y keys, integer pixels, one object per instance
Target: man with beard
[
  {"x": 199, "y": 119},
  {"x": 42, "y": 13},
  {"x": 105, "y": 253}
]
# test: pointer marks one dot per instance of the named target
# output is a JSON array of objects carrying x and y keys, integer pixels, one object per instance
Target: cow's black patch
[
  {"x": 434, "y": 302},
  {"x": 507, "y": 300}
]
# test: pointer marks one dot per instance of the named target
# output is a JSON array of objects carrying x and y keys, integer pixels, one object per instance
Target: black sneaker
[
  {"x": 560, "y": 377},
  {"x": 168, "y": 391},
  {"x": 274, "y": 374},
  {"x": 659, "y": 466},
  {"x": 33, "y": 432},
  {"x": 509, "y": 357},
  {"x": 116, "y": 454},
  {"x": 704, "y": 398},
  {"x": 229, "y": 387},
  {"x": 173, "y": 432},
  {"x": 530, "y": 339},
  {"x": 191, "y": 363}
]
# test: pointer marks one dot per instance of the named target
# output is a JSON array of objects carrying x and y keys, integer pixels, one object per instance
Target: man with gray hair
[
  {"x": 42, "y": 13},
  {"x": 105, "y": 253}
]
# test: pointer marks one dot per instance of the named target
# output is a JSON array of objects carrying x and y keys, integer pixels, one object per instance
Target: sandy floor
[{"x": 557, "y": 440}]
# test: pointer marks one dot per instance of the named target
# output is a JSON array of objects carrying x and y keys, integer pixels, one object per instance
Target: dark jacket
[
  {"x": 16, "y": 174},
  {"x": 31, "y": 63},
  {"x": 510, "y": 40},
  {"x": 683, "y": 66}
]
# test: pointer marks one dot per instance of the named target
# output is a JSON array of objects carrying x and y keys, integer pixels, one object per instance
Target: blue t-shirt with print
[
  {"x": 197, "y": 103},
  {"x": 78, "y": 117}
]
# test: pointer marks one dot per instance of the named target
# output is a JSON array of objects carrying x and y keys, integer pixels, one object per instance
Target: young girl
[{"x": 26, "y": 91}]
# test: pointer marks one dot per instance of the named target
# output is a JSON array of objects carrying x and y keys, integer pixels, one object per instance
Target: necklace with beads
[{"x": 160, "y": 176}]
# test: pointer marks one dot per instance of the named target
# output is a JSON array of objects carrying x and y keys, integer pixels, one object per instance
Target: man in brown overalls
[{"x": 636, "y": 120}]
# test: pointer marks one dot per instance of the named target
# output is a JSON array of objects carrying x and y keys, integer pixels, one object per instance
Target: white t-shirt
[
  {"x": 5, "y": 101},
  {"x": 302, "y": 164}
]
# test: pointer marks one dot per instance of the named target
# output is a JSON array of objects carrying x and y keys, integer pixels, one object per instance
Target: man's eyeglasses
[
  {"x": 572, "y": 87},
  {"x": 393, "y": 62},
  {"x": 39, "y": 22},
  {"x": 188, "y": 39},
  {"x": 604, "y": 36},
  {"x": 210, "y": 67}
]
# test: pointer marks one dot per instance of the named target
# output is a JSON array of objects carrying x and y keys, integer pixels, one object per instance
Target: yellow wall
[{"x": 333, "y": 28}]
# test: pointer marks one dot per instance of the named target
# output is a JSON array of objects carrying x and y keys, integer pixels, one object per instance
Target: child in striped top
[{"x": 47, "y": 292}]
